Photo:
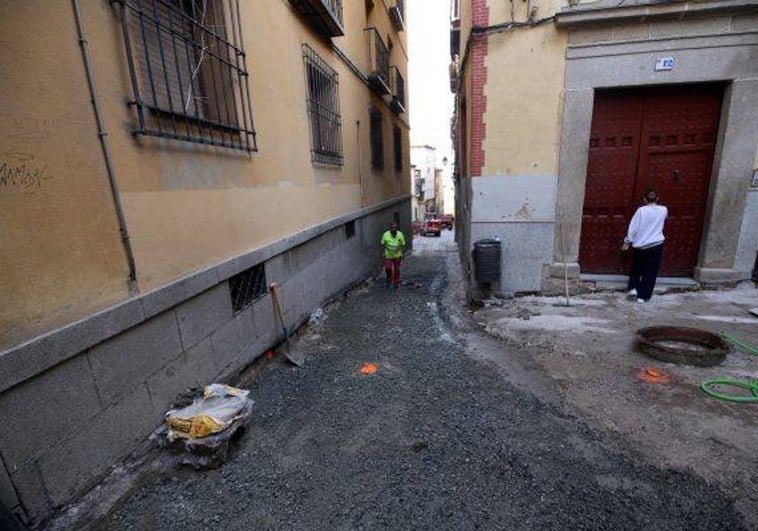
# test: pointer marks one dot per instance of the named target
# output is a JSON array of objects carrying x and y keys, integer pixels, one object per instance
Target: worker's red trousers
[{"x": 392, "y": 270}]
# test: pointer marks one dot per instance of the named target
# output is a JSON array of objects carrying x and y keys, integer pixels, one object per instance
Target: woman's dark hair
[{"x": 651, "y": 196}]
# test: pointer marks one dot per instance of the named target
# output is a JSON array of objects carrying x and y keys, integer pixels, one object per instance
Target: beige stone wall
[
  {"x": 59, "y": 243},
  {"x": 519, "y": 10},
  {"x": 465, "y": 24},
  {"x": 525, "y": 73},
  {"x": 524, "y": 90},
  {"x": 187, "y": 206}
]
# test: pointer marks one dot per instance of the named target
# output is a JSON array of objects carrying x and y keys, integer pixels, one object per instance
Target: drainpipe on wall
[{"x": 103, "y": 135}]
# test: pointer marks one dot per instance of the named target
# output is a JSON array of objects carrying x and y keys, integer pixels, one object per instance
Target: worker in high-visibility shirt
[{"x": 393, "y": 244}]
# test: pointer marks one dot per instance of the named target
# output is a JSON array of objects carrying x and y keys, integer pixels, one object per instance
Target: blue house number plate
[{"x": 664, "y": 63}]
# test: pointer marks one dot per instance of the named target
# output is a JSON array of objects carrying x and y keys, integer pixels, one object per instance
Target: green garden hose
[
  {"x": 750, "y": 385},
  {"x": 750, "y": 349}
]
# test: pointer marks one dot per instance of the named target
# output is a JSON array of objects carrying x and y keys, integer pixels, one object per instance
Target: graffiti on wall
[{"x": 22, "y": 172}]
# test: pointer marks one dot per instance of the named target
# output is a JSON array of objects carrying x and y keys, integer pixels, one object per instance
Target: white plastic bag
[{"x": 218, "y": 408}]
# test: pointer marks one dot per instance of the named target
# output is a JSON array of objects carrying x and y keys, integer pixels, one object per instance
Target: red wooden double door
[{"x": 662, "y": 137}]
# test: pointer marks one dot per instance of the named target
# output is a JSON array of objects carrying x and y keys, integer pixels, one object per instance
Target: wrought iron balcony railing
[
  {"x": 397, "y": 15},
  {"x": 324, "y": 15},
  {"x": 379, "y": 62},
  {"x": 398, "y": 90}
]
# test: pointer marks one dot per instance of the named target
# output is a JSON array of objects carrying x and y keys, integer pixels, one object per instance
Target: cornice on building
[{"x": 613, "y": 11}]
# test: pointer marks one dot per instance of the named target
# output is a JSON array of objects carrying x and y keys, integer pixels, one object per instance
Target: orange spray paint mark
[
  {"x": 651, "y": 375},
  {"x": 369, "y": 368}
]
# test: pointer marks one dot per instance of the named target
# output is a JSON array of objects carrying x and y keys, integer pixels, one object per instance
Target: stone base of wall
[
  {"x": 526, "y": 248},
  {"x": 66, "y": 426},
  {"x": 559, "y": 270},
  {"x": 708, "y": 275}
]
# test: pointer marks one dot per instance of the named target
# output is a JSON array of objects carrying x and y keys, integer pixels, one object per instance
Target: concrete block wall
[
  {"x": 519, "y": 210},
  {"x": 68, "y": 425}
]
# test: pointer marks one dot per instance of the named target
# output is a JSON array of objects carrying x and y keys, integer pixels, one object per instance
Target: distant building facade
[{"x": 424, "y": 160}]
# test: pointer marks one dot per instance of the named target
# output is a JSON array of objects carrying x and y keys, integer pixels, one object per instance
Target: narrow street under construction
[{"x": 407, "y": 415}]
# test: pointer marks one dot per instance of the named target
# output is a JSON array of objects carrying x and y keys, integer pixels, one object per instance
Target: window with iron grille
[
  {"x": 377, "y": 139},
  {"x": 397, "y": 140},
  {"x": 323, "y": 109},
  {"x": 349, "y": 229},
  {"x": 188, "y": 75},
  {"x": 247, "y": 286}
]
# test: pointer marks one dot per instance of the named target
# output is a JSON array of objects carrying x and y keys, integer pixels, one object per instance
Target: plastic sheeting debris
[
  {"x": 219, "y": 406},
  {"x": 201, "y": 431}
]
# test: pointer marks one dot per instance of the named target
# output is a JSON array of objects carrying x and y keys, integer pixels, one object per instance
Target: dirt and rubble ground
[{"x": 542, "y": 429}]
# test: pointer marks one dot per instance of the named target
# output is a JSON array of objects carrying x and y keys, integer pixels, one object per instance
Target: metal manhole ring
[{"x": 680, "y": 344}]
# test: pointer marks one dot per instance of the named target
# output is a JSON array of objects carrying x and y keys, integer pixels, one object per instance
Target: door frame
[
  {"x": 622, "y": 65},
  {"x": 640, "y": 97}
]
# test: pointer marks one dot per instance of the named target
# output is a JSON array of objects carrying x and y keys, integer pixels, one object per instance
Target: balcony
[
  {"x": 454, "y": 75},
  {"x": 398, "y": 91},
  {"x": 324, "y": 15},
  {"x": 397, "y": 15},
  {"x": 379, "y": 62}
]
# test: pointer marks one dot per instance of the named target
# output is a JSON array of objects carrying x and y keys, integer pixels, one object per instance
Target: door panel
[
  {"x": 611, "y": 174},
  {"x": 673, "y": 133},
  {"x": 678, "y": 141}
]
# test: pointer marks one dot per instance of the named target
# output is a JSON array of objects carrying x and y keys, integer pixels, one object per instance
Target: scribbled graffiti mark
[{"x": 21, "y": 172}]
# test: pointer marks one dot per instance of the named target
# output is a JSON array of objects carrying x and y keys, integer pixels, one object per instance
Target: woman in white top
[{"x": 645, "y": 236}]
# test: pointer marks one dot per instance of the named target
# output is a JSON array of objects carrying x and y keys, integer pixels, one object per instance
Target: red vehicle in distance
[
  {"x": 432, "y": 227},
  {"x": 447, "y": 221}
]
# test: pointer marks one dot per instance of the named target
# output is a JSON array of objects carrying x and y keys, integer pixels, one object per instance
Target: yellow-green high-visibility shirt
[{"x": 393, "y": 245}]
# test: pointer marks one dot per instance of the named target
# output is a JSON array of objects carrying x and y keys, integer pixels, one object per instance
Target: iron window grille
[
  {"x": 419, "y": 187},
  {"x": 397, "y": 140},
  {"x": 379, "y": 62},
  {"x": 323, "y": 109},
  {"x": 377, "y": 138},
  {"x": 188, "y": 75},
  {"x": 247, "y": 286},
  {"x": 349, "y": 229},
  {"x": 397, "y": 15},
  {"x": 398, "y": 90}
]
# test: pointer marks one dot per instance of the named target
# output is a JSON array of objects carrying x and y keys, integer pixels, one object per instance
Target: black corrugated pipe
[{"x": 103, "y": 135}]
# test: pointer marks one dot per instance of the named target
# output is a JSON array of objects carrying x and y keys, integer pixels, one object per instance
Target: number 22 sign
[{"x": 664, "y": 63}]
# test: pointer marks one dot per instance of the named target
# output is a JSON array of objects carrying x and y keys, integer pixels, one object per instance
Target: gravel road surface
[{"x": 434, "y": 439}]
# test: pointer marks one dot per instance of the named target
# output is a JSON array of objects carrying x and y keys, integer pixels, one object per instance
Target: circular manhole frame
[{"x": 711, "y": 349}]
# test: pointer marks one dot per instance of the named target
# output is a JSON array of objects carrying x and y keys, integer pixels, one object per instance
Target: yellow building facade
[
  {"x": 162, "y": 162},
  {"x": 567, "y": 111}
]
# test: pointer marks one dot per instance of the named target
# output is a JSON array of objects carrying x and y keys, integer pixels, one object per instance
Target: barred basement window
[
  {"x": 349, "y": 229},
  {"x": 397, "y": 140},
  {"x": 377, "y": 139},
  {"x": 188, "y": 75},
  {"x": 323, "y": 109},
  {"x": 247, "y": 286}
]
